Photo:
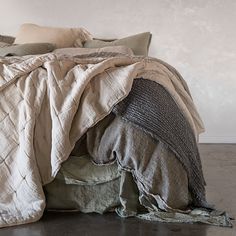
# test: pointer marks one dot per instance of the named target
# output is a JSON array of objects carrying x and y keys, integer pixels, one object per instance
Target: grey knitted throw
[{"x": 150, "y": 107}]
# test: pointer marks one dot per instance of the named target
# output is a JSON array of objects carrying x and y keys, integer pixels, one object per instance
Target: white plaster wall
[{"x": 198, "y": 37}]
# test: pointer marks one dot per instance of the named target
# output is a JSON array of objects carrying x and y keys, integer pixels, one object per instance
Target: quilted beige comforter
[{"x": 48, "y": 102}]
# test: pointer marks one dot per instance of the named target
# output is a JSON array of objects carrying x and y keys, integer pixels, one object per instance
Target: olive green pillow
[
  {"x": 26, "y": 49},
  {"x": 139, "y": 43}
]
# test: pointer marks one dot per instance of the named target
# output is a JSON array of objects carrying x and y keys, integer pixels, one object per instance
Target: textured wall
[{"x": 198, "y": 37}]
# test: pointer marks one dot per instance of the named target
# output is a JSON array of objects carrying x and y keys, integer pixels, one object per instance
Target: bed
[{"x": 97, "y": 127}]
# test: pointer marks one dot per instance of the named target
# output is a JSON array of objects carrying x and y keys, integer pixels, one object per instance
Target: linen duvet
[{"x": 49, "y": 103}]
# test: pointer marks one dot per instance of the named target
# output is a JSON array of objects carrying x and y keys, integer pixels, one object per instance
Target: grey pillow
[
  {"x": 7, "y": 39},
  {"x": 139, "y": 43},
  {"x": 26, "y": 49}
]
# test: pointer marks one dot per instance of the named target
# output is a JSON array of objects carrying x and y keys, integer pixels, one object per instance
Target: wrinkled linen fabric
[
  {"x": 159, "y": 175},
  {"x": 152, "y": 109},
  {"x": 83, "y": 186},
  {"x": 152, "y": 177},
  {"x": 99, "y": 141},
  {"x": 48, "y": 102},
  {"x": 198, "y": 215}
]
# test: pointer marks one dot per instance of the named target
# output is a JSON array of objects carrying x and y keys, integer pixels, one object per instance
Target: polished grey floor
[{"x": 219, "y": 163}]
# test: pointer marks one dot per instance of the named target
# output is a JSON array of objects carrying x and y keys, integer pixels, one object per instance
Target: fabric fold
[{"x": 152, "y": 109}]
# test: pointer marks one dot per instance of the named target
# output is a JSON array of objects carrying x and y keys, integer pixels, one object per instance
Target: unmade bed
[{"x": 98, "y": 130}]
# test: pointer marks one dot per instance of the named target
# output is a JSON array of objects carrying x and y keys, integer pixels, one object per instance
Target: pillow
[
  {"x": 139, "y": 43},
  {"x": 7, "y": 39},
  {"x": 26, "y": 49},
  {"x": 61, "y": 37},
  {"x": 82, "y": 51}
]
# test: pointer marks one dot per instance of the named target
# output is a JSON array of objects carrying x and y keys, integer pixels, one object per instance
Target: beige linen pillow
[
  {"x": 139, "y": 43},
  {"x": 61, "y": 37}
]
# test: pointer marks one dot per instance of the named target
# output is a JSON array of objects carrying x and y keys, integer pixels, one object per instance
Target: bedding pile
[{"x": 48, "y": 102}]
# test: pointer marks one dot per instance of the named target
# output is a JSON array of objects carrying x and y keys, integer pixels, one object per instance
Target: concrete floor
[{"x": 219, "y": 163}]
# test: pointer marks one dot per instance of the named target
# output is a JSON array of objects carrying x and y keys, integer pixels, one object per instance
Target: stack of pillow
[{"x": 33, "y": 39}]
